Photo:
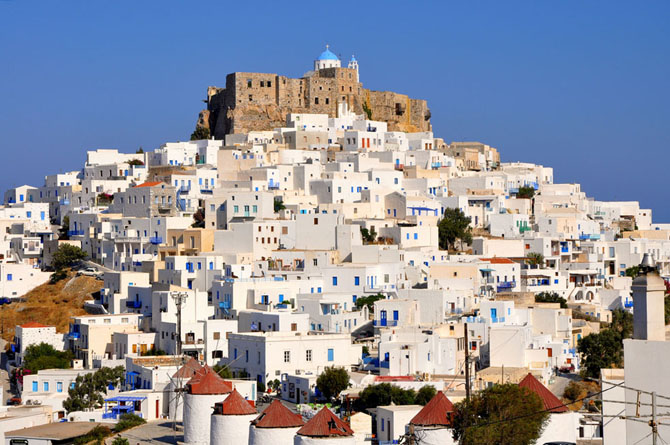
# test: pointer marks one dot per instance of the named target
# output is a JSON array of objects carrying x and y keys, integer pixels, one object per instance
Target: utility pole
[
  {"x": 179, "y": 298},
  {"x": 652, "y": 423},
  {"x": 467, "y": 363}
]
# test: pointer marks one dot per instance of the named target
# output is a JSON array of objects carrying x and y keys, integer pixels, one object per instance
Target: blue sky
[{"x": 580, "y": 86}]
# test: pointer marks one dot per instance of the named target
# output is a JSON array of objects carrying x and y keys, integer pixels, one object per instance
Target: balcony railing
[
  {"x": 134, "y": 304},
  {"x": 384, "y": 364},
  {"x": 628, "y": 304},
  {"x": 73, "y": 335},
  {"x": 385, "y": 322},
  {"x": 498, "y": 320},
  {"x": 75, "y": 232},
  {"x": 224, "y": 304},
  {"x": 156, "y": 240},
  {"x": 507, "y": 285}
]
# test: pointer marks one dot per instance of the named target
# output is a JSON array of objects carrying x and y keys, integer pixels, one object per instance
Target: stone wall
[{"x": 261, "y": 101}]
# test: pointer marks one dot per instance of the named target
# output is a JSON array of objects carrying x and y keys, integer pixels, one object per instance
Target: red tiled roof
[
  {"x": 208, "y": 382},
  {"x": 189, "y": 370},
  {"x": 498, "y": 260},
  {"x": 436, "y": 412},
  {"x": 549, "y": 400},
  {"x": 34, "y": 324},
  {"x": 394, "y": 378},
  {"x": 149, "y": 184},
  {"x": 277, "y": 416},
  {"x": 325, "y": 424},
  {"x": 235, "y": 405}
]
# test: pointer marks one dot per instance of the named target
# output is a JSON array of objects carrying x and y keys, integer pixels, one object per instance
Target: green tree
[
  {"x": 453, "y": 226},
  {"x": 44, "y": 356},
  {"x": 369, "y": 236},
  {"x": 279, "y": 205},
  {"x": 223, "y": 371},
  {"x": 633, "y": 271},
  {"x": 622, "y": 323},
  {"x": 135, "y": 162},
  {"x": 332, "y": 381},
  {"x": 274, "y": 384},
  {"x": 489, "y": 417},
  {"x": 140, "y": 150},
  {"x": 667, "y": 310},
  {"x": 369, "y": 301},
  {"x": 385, "y": 393},
  {"x": 424, "y": 394},
  {"x": 200, "y": 133},
  {"x": 367, "y": 110},
  {"x": 525, "y": 192},
  {"x": 551, "y": 297},
  {"x": 154, "y": 351},
  {"x": 535, "y": 259},
  {"x": 120, "y": 441},
  {"x": 89, "y": 389},
  {"x": 64, "y": 229},
  {"x": 600, "y": 350}
]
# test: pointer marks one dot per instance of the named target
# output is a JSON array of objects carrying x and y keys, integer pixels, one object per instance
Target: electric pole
[
  {"x": 179, "y": 298},
  {"x": 467, "y": 363},
  {"x": 652, "y": 423}
]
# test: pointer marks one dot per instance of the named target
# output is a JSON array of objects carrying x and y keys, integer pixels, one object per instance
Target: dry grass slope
[{"x": 50, "y": 304}]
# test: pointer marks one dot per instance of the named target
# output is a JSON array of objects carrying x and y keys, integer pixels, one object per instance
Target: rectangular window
[
  {"x": 287, "y": 356},
  {"x": 45, "y": 386},
  {"x": 308, "y": 355},
  {"x": 334, "y": 281},
  {"x": 357, "y": 281},
  {"x": 9, "y": 277},
  {"x": 34, "y": 386},
  {"x": 59, "y": 386},
  {"x": 331, "y": 355}
]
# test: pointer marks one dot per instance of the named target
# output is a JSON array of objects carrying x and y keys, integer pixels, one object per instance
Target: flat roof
[{"x": 54, "y": 431}]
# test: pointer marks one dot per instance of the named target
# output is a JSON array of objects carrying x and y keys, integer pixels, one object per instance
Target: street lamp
[{"x": 179, "y": 298}]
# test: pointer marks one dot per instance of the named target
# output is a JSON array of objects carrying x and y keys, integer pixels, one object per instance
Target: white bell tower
[{"x": 353, "y": 64}]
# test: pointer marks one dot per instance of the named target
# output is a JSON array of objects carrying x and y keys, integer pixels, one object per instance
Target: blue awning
[
  {"x": 487, "y": 270},
  {"x": 126, "y": 399}
]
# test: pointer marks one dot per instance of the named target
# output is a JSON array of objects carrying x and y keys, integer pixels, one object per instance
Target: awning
[
  {"x": 126, "y": 399},
  {"x": 487, "y": 270}
]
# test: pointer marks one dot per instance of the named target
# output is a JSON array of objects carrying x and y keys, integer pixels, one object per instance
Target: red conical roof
[
  {"x": 277, "y": 416},
  {"x": 208, "y": 382},
  {"x": 189, "y": 369},
  {"x": 436, "y": 412},
  {"x": 549, "y": 400},
  {"x": 325, "y": 424},
  {"x": 234, "y": 405}
]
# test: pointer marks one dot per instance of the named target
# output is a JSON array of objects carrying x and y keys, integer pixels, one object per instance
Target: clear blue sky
[{"x": 580, "y": 86}]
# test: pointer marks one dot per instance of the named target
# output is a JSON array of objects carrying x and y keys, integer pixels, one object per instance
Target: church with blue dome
[{"x": 327, "y": 59}]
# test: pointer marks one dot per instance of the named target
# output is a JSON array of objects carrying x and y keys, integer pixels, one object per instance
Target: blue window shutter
[{"x": 331, "y": 355}]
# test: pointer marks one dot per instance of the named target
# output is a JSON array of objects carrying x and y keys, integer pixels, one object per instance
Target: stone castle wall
[{"x": 261, "y": 101}]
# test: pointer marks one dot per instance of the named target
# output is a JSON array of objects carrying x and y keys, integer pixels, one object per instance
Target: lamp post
[{"x": 179, "y": 299}]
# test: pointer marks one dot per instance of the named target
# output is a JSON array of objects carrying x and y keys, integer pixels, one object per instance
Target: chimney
[{"x": 648, "y": 303}]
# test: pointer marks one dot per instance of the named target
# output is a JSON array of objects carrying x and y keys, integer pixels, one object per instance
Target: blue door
[
  {"x": 494, "y": 314},
  {"x": 395, "y": 315},
  {"x": 382, "y": 316}
]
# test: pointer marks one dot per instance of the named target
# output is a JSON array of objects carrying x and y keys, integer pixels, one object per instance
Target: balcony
[
  {"x": 75, "y": 233},
  {"x": 505, "y": 285},
  {"x": 224, "y": 304},
  {"x": 498, "y": 320},
  {"x": 156, "y": 240},
  {"x": 64, "y": 202},
  {"x": 524, "y": 229},
  {"x": 399, "y": 166},
  {"x": 385, "y": 322},
  {"x": 384, "y": 364},
  {"x": 206, "y": 191},
  {"x": 565, "y": 249},
  {"x": 628, "y": 304},
  {"x": 133, "y": 304},
  {"x": 73, "y": 335}
]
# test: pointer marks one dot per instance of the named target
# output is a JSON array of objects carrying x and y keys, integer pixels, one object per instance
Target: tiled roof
[
  {"x": 325, "y": 424},
  {"x": 549, "y": 400},
  {"x": 498, "y": 260},
  {"x": 436, "y": 412},
  {"x": 277, "y": 416},
  {"x": 34, "y": 324},
  {"x": 149, "y": 184},
  {"x": 208, "y": 382},
  {"x": 234, "y": 405},
  {"x": 189, "y": 370}
]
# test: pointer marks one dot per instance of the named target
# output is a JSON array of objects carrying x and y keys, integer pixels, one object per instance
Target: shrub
[{"x": 127, "y": 421}]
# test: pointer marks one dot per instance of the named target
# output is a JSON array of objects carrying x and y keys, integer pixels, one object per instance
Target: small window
[
  {"x": 287, "y": 356},
  {"x": 217, "y": 335},
  {"x": 308, "y": 355}
]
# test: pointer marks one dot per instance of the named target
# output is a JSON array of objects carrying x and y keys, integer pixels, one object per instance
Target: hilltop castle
[{"x": 258, "y": 101}]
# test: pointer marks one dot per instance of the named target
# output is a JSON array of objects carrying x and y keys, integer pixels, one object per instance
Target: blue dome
[{"x": 327, "y": 55}]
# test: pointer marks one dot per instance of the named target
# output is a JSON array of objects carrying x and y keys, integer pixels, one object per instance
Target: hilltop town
[{"x": 326, "y": 227}]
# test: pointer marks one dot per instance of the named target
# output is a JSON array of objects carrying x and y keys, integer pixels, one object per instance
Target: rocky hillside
[{"x": 50, "y": 304}]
